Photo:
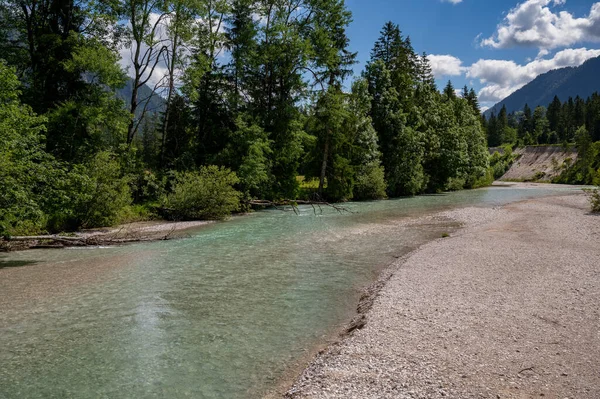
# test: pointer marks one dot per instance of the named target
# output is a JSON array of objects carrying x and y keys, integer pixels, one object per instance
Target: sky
[{"x": 494, "y": 46}]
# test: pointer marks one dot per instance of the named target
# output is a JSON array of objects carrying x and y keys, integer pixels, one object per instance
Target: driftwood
[
  {"x": 59, "y": 241},
  {"x": 293, "y": 204}
]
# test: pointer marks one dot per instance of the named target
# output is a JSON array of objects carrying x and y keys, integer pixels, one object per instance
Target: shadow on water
[{"x": 16, "y": 263}]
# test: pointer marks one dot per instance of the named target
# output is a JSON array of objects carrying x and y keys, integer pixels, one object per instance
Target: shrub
[
  {"x": 207, "y": 194},
  {"x": 485, "y": 180},
  {"x": 594, "y": 196},
  {"x": 370, "y": 183},
  {"x": 455, "y": 184},
  {"x": 107, "y": 195},
  {"x": 90, "y": 195},
  {"x": 501, "y": 163}
]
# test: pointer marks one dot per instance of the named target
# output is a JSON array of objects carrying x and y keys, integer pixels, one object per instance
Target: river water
[{"x": 221, "y": 314}]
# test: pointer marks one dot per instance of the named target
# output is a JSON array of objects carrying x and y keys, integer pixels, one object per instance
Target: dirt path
[{"x": 508, "y": 308}]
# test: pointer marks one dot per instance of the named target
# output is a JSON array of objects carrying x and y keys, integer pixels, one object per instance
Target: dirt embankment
[{"x": 540, "y": 164}]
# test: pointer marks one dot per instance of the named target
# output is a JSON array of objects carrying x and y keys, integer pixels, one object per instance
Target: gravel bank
[{"x": 509, "y": 307}]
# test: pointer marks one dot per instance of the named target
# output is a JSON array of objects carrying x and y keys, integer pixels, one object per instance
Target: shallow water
[{"x": 221, "y": 314}]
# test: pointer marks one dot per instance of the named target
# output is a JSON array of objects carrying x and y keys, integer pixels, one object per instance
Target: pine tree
[
  {"x": 473, "y": 101},
  {"x": 553, "y": 114},
  {"x": 425, "y": 74},
  {"x": 465, "y": 92},
  {"x": 449, "y": 92}
]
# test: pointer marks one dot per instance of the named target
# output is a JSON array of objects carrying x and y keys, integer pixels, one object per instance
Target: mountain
[
  {"x": 156, "y": 104},
  {"x": 580, "y": 81}
]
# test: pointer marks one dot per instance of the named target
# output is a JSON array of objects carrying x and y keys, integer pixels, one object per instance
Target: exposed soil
[
  {"x": 541, "y": 163},
  {"x": 506, "y": 308}
]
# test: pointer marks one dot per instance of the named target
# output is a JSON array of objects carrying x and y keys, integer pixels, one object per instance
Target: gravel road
[{"x": 509, "y": 307}]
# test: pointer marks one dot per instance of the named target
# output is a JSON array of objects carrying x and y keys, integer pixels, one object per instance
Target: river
[{"x": 221, "y": 314}]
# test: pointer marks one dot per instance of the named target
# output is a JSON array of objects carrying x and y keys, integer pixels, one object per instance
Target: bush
[
  {"x": 370, "y": 183},
  {"x": 207, "y": 194},
  {"x": 91, "y": 195},
  {"x": 455, "y": 184},
  {"x": 594, "y": 196},
  {"x": 501, "y": 163},
  {"x": 24, "y": 166},
  {"x": 107, "y": 194},
  {"x": 486, "y": 180}
]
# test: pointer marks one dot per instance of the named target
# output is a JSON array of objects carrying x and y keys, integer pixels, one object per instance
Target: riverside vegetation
[
  {"x": 574, "y": 123},
  {"x": 254, "y": 97}
]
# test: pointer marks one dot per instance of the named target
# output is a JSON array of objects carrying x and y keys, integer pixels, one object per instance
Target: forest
[
  {"x": 576, "y": 122},
  {"x": 258, "y": 103},
  {"x": 555, "y": 124}
]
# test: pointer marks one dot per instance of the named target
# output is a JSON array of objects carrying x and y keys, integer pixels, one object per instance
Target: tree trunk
[
  {"x": 324, "y": 167},
  {"x": 169, "y": 98},
  {"x": 132, "y": 108}
]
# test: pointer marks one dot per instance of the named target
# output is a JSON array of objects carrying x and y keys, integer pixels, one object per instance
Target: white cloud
[
  {"x": 534, "y": 23},
  {"x": 452, "y": 1},
  {"x": 127, "y": 53},
  {"x": 445, "y": 65},
  {"x": 501, "y": 78}
]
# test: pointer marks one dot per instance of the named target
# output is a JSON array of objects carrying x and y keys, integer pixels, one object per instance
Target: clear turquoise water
[{"x": 221, "y": 314}]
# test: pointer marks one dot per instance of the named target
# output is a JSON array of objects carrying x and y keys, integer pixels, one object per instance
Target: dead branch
[
  {"x": 294, "y": 205},
  {"x": 94, "y": 240}
]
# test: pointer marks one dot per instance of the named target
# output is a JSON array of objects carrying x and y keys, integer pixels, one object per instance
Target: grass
[{"x": 308, "y": 187}]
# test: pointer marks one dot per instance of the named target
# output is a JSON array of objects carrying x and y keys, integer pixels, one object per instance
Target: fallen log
[
  {"x": 294, "y": 205},
  {"x": 60, "y": 241}
]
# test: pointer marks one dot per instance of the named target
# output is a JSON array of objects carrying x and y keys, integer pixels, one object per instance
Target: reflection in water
[{"x": 219, "y": 315}]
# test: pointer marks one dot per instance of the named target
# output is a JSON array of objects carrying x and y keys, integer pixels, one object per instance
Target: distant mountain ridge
[
  {"x": 567, "y": 82},
  {"x": 156, "y": 103}
]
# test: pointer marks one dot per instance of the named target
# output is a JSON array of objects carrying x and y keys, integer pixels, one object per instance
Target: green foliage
[
  {"x": 260, "y": 99},
  {"x": 206, "y": 194},
  {"x": 594, "y": 198},
  {"x": 585, "y": 169},
  {"x": 24, "y": 165},
  {"x": 556, "y": 123},
  {"x": 91, "y": 195},
  {"x": 370, "y": 182},
  {"x": 501, "y": 163},
  {"x": 248, "y": 152}
]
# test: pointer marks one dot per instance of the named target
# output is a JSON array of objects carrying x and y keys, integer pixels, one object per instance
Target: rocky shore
[{"x": 508, "y": 307}]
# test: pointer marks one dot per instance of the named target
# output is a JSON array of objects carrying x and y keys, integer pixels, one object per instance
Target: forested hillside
[
  {"x": 556, "y": 123},
  {"x": 563, "y": 83},
  {"x": 255, "y": 108},
  {"x": 574, "y": 123}
]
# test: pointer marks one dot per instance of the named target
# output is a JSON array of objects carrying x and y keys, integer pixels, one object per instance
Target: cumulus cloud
[
  {"x": 501, "y": 78},
  {"x": 537, "y": 23},
  {"x": 445, "y": 65},
  {"x": 452, "y": 1}
]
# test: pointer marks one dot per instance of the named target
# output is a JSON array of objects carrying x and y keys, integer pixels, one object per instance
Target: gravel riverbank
[{"x": 506, "y": 308}]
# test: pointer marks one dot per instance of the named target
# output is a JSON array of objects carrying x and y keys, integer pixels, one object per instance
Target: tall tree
[
  {"x": 180, "y": 30},
  {"x": 332, "y": 65},
  {"x": 66, "y": 58},
  {"x": 145, "y": 36},
  {"x": 449, "y": 92},
  {"x": 554, "y": 114}
]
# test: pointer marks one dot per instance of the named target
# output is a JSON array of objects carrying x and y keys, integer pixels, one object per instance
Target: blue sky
[{"x": 496, "y": 46}]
